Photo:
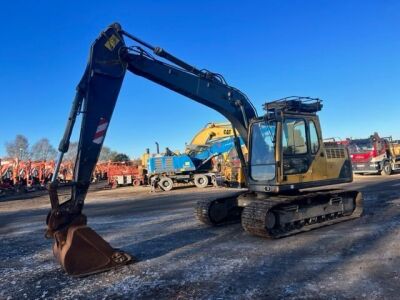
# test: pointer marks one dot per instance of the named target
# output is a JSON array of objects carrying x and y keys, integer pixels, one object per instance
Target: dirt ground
[{"x": 179, "y": 258}]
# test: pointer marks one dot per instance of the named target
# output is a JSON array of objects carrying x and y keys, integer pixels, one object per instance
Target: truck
[
  {"x": 195, "y": 166},
  {"x": 374, "y": 155}
]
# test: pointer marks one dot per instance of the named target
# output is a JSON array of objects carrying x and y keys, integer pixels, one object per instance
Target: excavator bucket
[{"x": 83, "y": 252}]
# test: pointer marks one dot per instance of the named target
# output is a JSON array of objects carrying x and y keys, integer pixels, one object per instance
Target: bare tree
[
  {"x": 72, "y": 151},
  {"x": 107, "y": 154},
  {"x": 19, "y": 148},
  {"x": 121, "y": 157},
  {"x": 43, "y": 150}
]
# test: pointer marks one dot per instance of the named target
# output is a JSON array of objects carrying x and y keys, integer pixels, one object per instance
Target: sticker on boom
[
  {"x": 100, "y": 131},
  {"x": 112, "y": 42}
]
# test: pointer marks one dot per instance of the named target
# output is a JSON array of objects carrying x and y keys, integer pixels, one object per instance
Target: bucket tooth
[{"x": 83, "y": 252}]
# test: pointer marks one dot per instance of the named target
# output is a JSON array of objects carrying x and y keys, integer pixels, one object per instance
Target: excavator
[
  {"x": 210, "y": 132},
  {"x": 226, "y": 164},
  {"x": 287, "y": 155}
]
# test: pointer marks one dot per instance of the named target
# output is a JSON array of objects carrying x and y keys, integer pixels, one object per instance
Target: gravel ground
[{"x": 180, "y": 258}]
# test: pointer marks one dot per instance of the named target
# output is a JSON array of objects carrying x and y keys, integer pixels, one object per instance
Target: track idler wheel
[{"x": 83, "y": 252}]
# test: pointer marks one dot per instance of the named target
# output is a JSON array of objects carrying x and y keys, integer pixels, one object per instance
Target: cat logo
[{"x": 112, "y": 42}]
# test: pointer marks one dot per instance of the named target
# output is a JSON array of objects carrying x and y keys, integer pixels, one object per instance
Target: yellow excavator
[
  {"x": 226, "y": 166},
  {"x": 231, "y": 168},
  {"x": 228, "y": 163},
  {"x": 286, "y": 155},
  {"x": 212, "y": 131}
]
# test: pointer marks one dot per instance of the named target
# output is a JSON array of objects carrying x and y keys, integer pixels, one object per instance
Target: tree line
[{"x": 42, "y": 150}]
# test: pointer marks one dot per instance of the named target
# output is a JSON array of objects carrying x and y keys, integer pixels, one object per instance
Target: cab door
[
  {"x": 295, "y": 156},
  {"x": 318, "y": 165},
  {"x": 302, "y": 150}
]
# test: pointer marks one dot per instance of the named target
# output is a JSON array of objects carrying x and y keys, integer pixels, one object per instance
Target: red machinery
[
  {"x": 120, "y": 173},
  {"x": 66, "y": 171},
  {"x": 15, "y": 173},
  {"x": 6, "y": 175},
  {"x": 374, "y": 155}
]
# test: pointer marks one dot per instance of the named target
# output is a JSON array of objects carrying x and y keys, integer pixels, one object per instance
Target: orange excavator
[{"x": 286, "y": 155}]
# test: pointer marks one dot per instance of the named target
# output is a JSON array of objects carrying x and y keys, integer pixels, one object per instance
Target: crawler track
[{"x": 283, "y": 216}]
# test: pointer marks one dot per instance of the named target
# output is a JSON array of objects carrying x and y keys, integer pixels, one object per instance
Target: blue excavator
[{"x": 287, "y": 155}]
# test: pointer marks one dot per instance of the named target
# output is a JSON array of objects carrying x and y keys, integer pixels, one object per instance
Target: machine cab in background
[{"x": 287, "y": 151}]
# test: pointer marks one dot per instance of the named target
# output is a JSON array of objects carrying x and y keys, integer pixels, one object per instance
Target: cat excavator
[
  {"x": 287, "y": 155},
  {"x": 210, "y": 132},
  {"x": 227, "y": 164}
]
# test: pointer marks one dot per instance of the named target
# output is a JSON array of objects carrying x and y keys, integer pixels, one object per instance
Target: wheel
[
  {"x": 113, "y": 184},
  {"x": 387, "y": 169},
  {"x": 136, "y": 182},
  {"x": 214, "y": 181},
  {"x": 166, "y": 183},
  {"x": 201, "y": 181}
]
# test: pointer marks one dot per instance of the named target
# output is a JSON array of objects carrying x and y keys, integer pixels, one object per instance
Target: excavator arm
[
  {"x": 210, "y": 132},
  {"x": 79, "y": 249}
]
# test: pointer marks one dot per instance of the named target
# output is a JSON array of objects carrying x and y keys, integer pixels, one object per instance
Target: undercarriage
[{"x": 276, "y": 216}]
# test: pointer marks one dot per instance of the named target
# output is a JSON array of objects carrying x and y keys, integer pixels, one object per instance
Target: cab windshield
[
  {"x": 262, "y": 160},
  {"x": 360, "y": 146}
]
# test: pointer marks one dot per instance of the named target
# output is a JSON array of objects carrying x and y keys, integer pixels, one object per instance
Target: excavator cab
[
  {"x": 288, "y": 156},
  {"x": 287, "y": 152}
]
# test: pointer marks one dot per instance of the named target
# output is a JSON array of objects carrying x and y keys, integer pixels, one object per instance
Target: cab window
[
  {"x": 314, "y": 141},
  {"x": 294, "y": 139},
  {"x": 262, "y": 160}
]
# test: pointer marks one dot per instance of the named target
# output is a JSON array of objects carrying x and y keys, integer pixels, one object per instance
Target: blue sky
[{"x": 345, "y": 52}]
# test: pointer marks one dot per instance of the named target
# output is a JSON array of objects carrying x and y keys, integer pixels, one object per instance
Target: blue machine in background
[
  {"x": 172, "y": 164},
  {"x": 195, "y": 166}
]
